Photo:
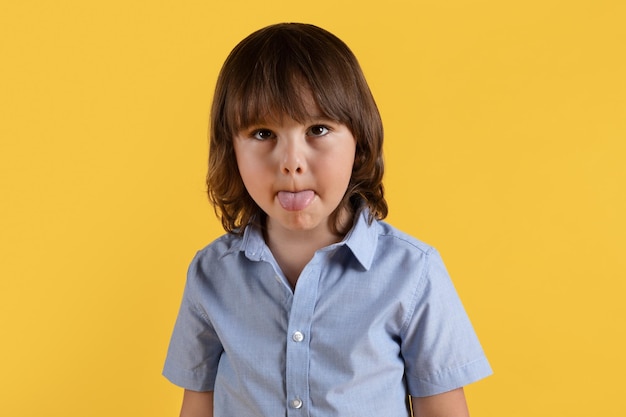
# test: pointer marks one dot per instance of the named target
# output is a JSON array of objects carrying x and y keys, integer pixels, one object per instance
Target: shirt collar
[
  {"x": 253, "y": 243},
  {"x": 361, "y": 240}
]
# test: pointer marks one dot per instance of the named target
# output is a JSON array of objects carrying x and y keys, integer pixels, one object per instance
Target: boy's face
[{"x": 297, "y": 173}]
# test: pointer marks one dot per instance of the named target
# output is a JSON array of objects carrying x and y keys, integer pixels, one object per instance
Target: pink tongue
[{"x": 295, "y": 201}]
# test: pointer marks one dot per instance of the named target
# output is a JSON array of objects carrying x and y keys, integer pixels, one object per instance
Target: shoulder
[
  {"x": 219, "y": 255},
  {"x": 399, "y": 251},
  {"x": 221, "y": 247},
  {"x": 377, "y": 242},
  {"x": 390, "y": 236}
]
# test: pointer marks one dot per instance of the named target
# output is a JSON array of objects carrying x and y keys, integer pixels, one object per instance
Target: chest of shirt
[{"x": 336, "y": 306}]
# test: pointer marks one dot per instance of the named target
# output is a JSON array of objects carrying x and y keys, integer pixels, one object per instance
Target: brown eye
[
  {"x": 262, "y": 134},
  {"x": 318, "y": 130}
]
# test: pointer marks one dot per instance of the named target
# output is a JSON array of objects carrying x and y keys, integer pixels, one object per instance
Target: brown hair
[{"x": 265, "y": 74}]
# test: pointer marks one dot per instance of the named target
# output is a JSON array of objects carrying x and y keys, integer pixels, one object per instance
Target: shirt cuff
[
  {"x": 449, "y": 379},
  {"x": 187, "y": 379}
]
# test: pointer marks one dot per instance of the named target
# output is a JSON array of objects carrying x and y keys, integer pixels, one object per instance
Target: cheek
[
  {"x": 245, "y": 162},
  {"x": 253, "y": 173},
  {"x": 343, "y": 163},
  {"x": 246, "y": 171}
]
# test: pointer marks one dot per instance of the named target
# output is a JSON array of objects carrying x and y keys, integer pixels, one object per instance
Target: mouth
[{"x": 294, "y": 201}]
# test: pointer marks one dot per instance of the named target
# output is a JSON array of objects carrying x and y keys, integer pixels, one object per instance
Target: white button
[
  {"x": 297, "y": 403},
  {"x": 297, "y": 337}
]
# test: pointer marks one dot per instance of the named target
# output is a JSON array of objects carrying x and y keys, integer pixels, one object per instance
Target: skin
[
  {"x": 197, "y": 404},
  {"x": 447, "y": 404}
]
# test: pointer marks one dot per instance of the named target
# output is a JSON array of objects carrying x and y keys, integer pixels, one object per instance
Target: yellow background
[{"x": 505, "y": 148}]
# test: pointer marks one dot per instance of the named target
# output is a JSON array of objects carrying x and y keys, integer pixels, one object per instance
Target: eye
[
  {"x": 318, "y": 130},
  {"x": 262, "y": 134}
]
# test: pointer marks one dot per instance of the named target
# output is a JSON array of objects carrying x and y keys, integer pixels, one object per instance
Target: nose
[{"x": 292, "y": 156}]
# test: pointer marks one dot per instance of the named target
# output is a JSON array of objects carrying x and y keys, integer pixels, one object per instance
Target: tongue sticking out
[{"x": 295, "y": 201}]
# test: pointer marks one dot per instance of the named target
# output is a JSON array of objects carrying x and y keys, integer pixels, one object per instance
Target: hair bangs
[
  {"x": 280, "y": 75},
  {"x": 271, "y": 98}
]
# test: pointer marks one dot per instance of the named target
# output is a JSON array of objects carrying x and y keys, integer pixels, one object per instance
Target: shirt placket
[{"x": 298, "y": 341}]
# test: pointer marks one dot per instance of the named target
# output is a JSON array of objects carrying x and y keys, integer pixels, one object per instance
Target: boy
[{"x": 310, "y": 304}]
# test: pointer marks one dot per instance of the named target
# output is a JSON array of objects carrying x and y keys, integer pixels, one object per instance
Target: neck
[{"x": 294, "y": 249}]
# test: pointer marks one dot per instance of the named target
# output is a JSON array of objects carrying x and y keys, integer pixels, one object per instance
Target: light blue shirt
[{"x": 372, "y": 319}]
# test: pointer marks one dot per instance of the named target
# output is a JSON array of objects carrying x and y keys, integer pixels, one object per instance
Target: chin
[{"x": 300, "y": 222}]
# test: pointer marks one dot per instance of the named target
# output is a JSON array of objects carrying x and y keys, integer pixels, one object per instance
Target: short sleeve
[
  {"x": 194, "y": 349},
  {"x": 440, "y": 348}
]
